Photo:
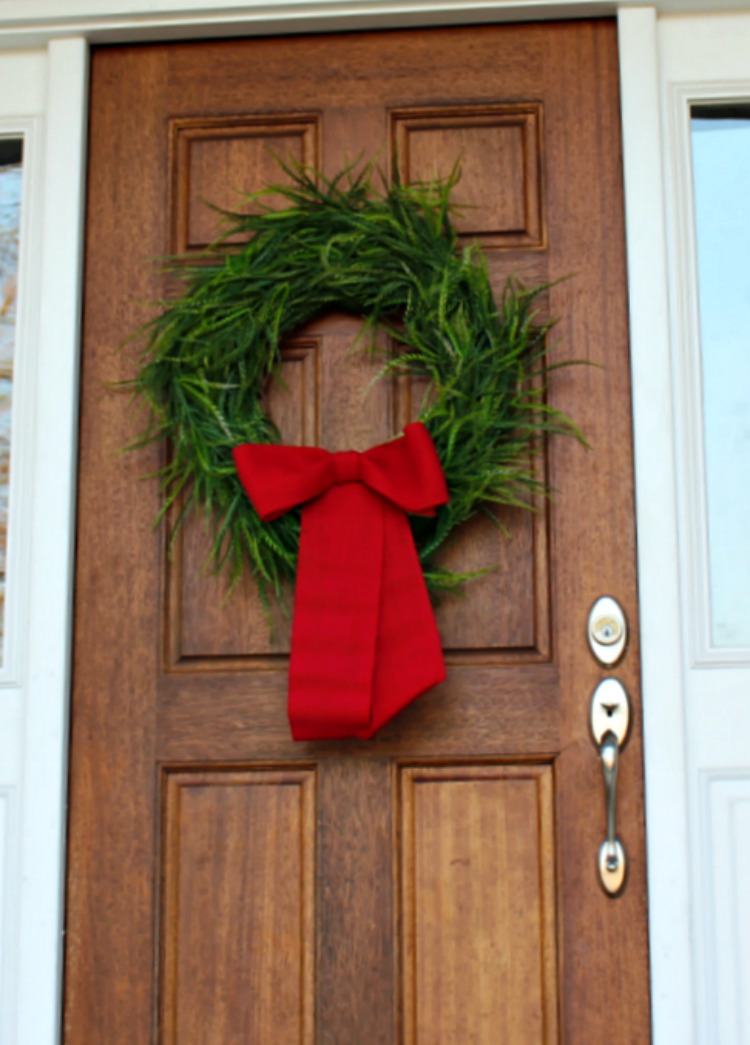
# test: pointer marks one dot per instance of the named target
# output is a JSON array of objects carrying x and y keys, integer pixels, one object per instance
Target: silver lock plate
[
  {"x": 607, "y": 630},
  {"x": 610, "y": 711}
]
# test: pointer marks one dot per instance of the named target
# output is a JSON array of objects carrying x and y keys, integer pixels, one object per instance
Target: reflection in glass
[
  {"x": 721, "y": 175},
  {"x": 10, "y": 206}
]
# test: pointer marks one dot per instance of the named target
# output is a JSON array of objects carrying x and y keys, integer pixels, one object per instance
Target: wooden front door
[{"x": 438, "y": 884}]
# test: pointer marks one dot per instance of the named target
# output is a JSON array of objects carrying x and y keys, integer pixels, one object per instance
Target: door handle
[
  {"x": 612, "y": 859},
  {"x": 610, "y": 722}
]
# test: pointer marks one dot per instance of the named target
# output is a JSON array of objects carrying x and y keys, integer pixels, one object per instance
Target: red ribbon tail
[
  {"x": 337, "y": 596},
  {"x": 364, "y": 640},
  {"x": 409, "y": 658}
]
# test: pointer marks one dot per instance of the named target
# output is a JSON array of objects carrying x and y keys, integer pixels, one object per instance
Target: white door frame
[
  {"x": 706, "y": 61},
  {"x": 65, "y": 28},
  {"x": 42, "y": 97}
]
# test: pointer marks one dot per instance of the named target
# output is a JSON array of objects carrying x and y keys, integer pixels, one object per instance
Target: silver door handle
[
  {"x": 610, "y": 720},
  {"x": 612, "y": 859}
]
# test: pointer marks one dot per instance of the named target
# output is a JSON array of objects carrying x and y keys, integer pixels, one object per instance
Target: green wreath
[{"x": 393, "y": 258}]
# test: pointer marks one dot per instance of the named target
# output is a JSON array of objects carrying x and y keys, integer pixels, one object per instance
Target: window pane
[
  {"x": 10, "y": 206},
  {"x": 721, "y": 173}
]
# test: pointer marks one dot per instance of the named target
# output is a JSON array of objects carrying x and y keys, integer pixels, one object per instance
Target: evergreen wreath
[{"x": 394, "y": 258}]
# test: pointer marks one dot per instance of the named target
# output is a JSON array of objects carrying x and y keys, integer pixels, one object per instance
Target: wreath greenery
[{"x": 392, "y": 257}]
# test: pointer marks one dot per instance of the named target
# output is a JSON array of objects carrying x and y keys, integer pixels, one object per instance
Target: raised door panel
[
  {"x": 237, "y": 941},
  {"x": 216, "y": 163},
  {"x": 497, "y": 143},
  {"x": 478, "y": 924}
]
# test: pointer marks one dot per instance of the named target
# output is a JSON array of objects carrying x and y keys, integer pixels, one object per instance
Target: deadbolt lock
[{"x": 607, "y": 630}]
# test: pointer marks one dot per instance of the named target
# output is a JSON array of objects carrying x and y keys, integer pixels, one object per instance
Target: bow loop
[
  {"x": 406, "y": 471},
  {"x": 278, "y": 478}
]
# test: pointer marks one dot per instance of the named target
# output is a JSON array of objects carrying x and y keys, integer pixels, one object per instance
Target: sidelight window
[
  {"x": 720, "y": 136},
  {"x": 11, "y": 156}
]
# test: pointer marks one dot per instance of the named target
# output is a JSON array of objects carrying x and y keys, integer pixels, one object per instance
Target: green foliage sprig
[{"x": 392, "y": 257}]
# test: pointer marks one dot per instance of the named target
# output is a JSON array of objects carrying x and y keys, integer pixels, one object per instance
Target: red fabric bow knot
[{"x": 364, "y": 639}]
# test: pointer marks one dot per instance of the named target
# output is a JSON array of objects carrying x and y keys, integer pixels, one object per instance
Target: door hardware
[
  {"x": 610, "y": 722},
  {"x": 607, "y": 630}
]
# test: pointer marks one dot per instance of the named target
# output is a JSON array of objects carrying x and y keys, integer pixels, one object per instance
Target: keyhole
[{"x": 607, "y": 631}]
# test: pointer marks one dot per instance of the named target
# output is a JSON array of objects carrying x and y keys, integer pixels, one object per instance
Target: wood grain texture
[
  {"x": 502, "y": 141},
  {"x": 219, "y": 161},
  {"x": 356, "y": 963},
  {"x": 478, "y": 910},
  {"x": 169, "y": 687},
  {"x": 113, "y": 796},
  {"x": 590, "y": 224},
  {"x": 238, "y": 865},
  {"x": 205, "y": 626}
]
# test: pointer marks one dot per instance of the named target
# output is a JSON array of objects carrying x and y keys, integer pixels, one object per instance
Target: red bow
[{"x": 364, "y": 639}]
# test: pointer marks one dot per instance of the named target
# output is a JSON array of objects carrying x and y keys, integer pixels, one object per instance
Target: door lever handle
[
  {"x": 612, "y": 859},
  {"x": 610, "y": 720}
]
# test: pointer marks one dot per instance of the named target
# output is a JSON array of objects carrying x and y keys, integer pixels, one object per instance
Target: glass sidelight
[
  {"x": 11, "y": 158},
  {"x": 721, "y": 175}
]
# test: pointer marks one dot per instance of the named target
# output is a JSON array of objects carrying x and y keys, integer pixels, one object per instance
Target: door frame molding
[
  {"x": 705, "y": 61},
  {"x": 31, "y": 930},
  {"x": 66, "y": 28},
  {"x": 33, "y": 23}
]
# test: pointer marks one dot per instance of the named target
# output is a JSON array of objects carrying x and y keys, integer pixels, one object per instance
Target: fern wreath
[{"x": 394, "y": 258}]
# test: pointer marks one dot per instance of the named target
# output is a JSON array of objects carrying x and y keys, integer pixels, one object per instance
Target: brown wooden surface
[
  {"x": 246, "y": 992},
  {"x": 477, "y": 888},
  {"x": 438, "y": 883}
]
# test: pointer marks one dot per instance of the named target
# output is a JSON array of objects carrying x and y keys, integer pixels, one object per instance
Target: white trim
[
  {"x": 658, "y": 564},
  {"x": 687, "y": 377},
  {"x": 8, "y": 919},
  {"x": 107, "y": 21},
  {"x": 22, "y": 92},
  {"x": 724, "y": 955},
  {"x": 21, "y": 106},
  {"x": 32, "y": 23},
  {"x": 27, "y": 23},
  {"x": 52, "y": 535}
]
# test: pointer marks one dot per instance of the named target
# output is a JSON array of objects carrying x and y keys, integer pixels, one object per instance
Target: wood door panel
[
  {"x": 218, "y": 162},
  {"x": 478, "y": 913},
  {"x": 500, "y": 144},
  {"x": 324, "y": 377},
  {"x": 210, "y": 628},
  {"x": 205, "y": 619},
  {"x": 502, "y": 615},
  {"x": 182, "y": 765},
  {"x": 253, "y": 900}
]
